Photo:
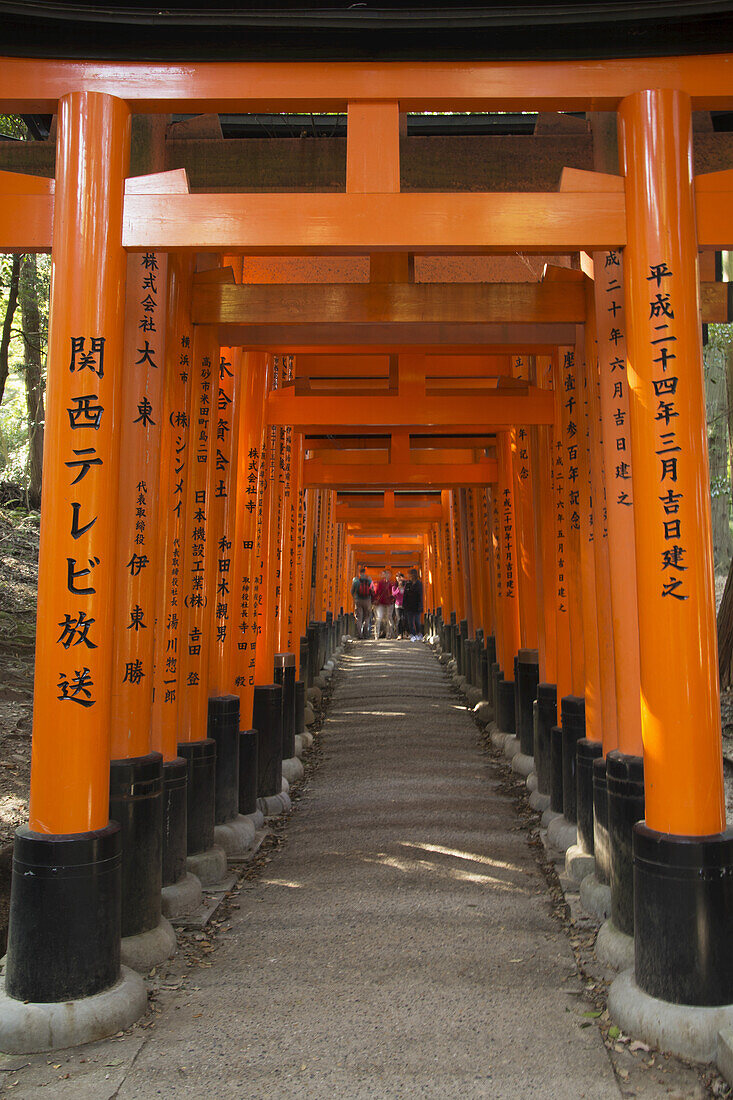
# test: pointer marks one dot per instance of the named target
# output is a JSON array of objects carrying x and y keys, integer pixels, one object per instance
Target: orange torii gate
[{"x": 64, "y": 938}]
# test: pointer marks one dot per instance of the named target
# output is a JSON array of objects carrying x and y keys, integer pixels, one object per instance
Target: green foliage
[
  {"x": 720, "y": 336},
  {"x": 14, "y": 426},
  {"x": 14, "y": 432},
  {"x": 13, "y": 127}
]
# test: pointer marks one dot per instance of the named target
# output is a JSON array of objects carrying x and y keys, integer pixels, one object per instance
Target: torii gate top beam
[{"x": 31, "y": 86}]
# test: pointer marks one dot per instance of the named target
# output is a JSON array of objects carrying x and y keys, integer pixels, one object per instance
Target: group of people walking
[{"x": 396, "y": 605}]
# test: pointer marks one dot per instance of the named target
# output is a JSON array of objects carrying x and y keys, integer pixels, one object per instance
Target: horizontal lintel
[
  {"x": 34, "y": 85},
  {"x": 295, "y": 339},
  {"x": 475, "y": 414},
  {"x": 332, "y": 224},
  {"x": 387, "y": 303}
]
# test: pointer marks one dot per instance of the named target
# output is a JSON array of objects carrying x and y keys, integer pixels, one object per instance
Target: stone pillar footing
[
  {"x": 522, "y": 764},
  {"x": 149, "y": 949},
  {"x": 498, "y": 737},
  {"x": 539, "y": 802},
  {"x": 209, "y": 866},
  {"x": 237, "y": 836},
  {"x": 614, "y": 948},
  {"x": 549, "y": 815},
  {"x": 293, "y": 769},
  {"x": 181, "y": 897},
  {"x": 561, "y": 833},
  {"x": 578, "y": 864},
  {"x": 595, "y": 897},
  {"x": 275, "y": 804},
  {"x": 29, "y": 1028},
  {"x": 510, "y": 747},
  {"x": 685, "y": 1030}
]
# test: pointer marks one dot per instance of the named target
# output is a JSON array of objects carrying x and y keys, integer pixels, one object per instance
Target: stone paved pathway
[{"x": 400, "y": 945}]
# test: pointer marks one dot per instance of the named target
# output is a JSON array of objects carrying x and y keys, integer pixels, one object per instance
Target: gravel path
[{"x": 402, "y": 945}]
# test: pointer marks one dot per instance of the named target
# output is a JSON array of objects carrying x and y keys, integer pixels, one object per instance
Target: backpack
[{"x": 364, "y": 588}]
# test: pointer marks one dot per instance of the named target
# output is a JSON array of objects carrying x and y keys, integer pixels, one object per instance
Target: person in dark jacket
[
  {"x": 412, "y": 607},
  {"x": 362, "y": 590}
]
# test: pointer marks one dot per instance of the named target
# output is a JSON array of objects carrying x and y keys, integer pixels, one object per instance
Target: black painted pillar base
[
  {"x": 546, "y": 719},
  {"x": 136, "y": 803},
  {"x": 505, "y": 716},
  {"x": 556, "y": 770},
  {"x": 461, "y": 653},
  {"x": 200, "y": 757},
  {"x": 223, "y": 729},
  {"x": 683, "y": 905},
  {"x": 247, "y": 772},
  {"x": 572, "y": 712},
  {"x": 625, "y": 780},
  {"x": 468, "y": 648},
  {"x": 267, "y": 720},
  {"x": 601, "y": 841},
  {"x": 285, "y": 677},
  {"x": 313, "y": 666},
  {"x": 587, "y": 753},
  {"x": 299, "y": 707},
  {"x": 304, "y": 671},
  {"x": 528, "y": 677},
  {"x": 488, "y": 660},
  {"x": 175, "y": 782},
  {"x": 485, "y": 676},
  {"x": 64, "y": 935},
  {"x": 496, "y": 676}
]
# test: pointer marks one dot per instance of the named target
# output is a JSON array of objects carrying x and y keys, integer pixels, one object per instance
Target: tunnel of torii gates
[{"x": 220, "y": 458}]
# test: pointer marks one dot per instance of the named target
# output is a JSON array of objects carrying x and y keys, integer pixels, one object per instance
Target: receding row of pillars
[
  {"x": 190, "y": 590},
  {"x": 578, "y": 594}
]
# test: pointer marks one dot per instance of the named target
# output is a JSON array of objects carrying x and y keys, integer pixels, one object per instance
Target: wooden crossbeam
[
  {"x": 389, "y": 303},
  {"x": 350, "y": 339},
  {"x": 328, "y": 223},
  {"x": 34, "y": 86},
  {"x": 364, "y": 516},
  {"x": 418, "y": 442},
  {"x": 480, "y": 415},
  {"x": 398, "y": 474}
]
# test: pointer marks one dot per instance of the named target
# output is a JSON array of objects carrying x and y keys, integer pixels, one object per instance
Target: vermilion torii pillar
[
  {"x": 683, "y": 856},
  {"x": 509, "y": 603},
  {"x": 180, "y": 888},
  {"x": 526, "y": 673},
  {"x": 136, "y": 772},
  {"x": 256, "y": 368},
  {"x": 64, "y": 938},
  {"x": 198, "y": 588}
]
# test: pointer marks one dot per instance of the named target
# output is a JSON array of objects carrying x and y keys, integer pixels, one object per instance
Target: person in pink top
[
  {"x": 398, "y": 591},
  {"x": 383, "y": 604}
]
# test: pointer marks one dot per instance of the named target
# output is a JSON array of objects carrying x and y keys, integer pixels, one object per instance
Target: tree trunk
[
  {"x": 725, "y": 611},
  {"x": 725, "y": 634},
  {"x": 33, "y": 373},
  {"x": 716, "y": 400},
  {"x": 8, "y": 322}
]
